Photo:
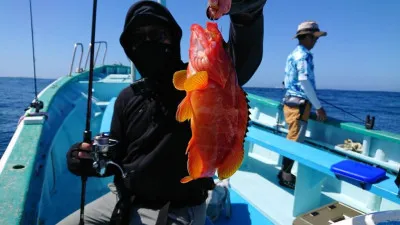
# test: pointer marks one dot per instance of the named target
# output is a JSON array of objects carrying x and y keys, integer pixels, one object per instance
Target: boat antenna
[
  {"x": 38, "y": 105},
  {"x": 87, "y": 134}
]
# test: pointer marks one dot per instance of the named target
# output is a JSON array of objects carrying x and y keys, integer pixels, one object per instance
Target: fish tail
[{"x": 184, "y": 111}]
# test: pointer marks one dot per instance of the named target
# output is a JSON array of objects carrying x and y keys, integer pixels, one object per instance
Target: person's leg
[
  {"x": 177, "y": 216},
  {"x": 97, "y": 212},
  {"x": 296, "y": 118},
  {"x": 287, "y": 164},
  {"x": 303, "y": 121},
  {"x": 292, "y": 116}
]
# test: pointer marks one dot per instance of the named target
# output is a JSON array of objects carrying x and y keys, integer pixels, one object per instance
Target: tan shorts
[{"x": 296, "y": 118}]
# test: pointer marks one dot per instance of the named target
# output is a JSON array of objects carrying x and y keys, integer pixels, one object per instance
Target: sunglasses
[{"x": 152, "y": 34}]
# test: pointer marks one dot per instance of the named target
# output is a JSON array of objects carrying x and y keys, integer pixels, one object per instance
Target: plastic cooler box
[{"x": 359, "y": 172}]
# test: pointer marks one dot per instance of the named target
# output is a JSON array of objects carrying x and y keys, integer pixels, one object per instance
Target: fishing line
[
  {"x": 322, "y": 100},
  {"x": 369, "y": 123}
]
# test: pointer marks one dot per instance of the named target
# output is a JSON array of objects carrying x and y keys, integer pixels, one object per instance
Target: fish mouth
[
  {"x": 200, "y": 58},
  {"x": 203, "y": 42}
]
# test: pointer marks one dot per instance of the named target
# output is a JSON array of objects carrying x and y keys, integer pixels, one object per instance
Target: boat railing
[
  {"x": 78, "y": 69},
  {"x": 97, "y": 52},
  {"x": 314, "y": 167},
  {"x": 376, "y": 161},
  {"x": 278, "y": 125}
]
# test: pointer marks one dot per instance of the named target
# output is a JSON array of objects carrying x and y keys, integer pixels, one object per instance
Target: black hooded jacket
[{"x": 152, "y": 143}]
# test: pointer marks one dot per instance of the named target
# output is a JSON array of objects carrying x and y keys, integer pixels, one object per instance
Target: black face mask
[{"x": 155, "y": 60}]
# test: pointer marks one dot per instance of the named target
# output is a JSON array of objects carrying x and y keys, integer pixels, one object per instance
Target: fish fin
[
  {"x": 184, "y": 111},
  {"x": 186, "y": 179},
  {"x": 244, "y": 112},
  {"x": 179, "y": 79},
  {"x": 231, "y": 163},
  {"x": 197, "y": 81},
  {"x": 194, "y": 164},
  {"x": 190, "y": 144}
]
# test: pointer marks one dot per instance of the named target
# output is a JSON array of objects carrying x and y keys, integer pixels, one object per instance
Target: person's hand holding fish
[{"x": 217, "y": 8}]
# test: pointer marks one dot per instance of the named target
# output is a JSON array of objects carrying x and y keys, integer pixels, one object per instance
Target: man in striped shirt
[{"x": 300, "y": 95}]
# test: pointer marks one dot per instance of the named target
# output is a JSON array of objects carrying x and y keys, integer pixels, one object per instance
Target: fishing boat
[{"x": 37, "y": 188}]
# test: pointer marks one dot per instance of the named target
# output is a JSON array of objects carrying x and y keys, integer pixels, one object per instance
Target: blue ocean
[{"x": 17, "y": 93}]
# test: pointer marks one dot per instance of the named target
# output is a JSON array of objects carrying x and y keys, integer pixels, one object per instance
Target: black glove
[
  {"x": 246, "y": 6},
  {"x": 79, "y": 166},
  {"x": 244, "y": 11}
]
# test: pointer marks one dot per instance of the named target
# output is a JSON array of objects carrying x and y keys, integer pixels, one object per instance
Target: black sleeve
[{"x": 246, "y": 35}]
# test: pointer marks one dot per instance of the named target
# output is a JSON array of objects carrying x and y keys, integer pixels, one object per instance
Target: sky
[{"x": 361, "y": 51}]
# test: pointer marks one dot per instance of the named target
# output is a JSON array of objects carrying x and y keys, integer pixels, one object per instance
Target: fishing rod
[
  {"x": 369, "y": 122},
  {"x": 36, "y": 104},
  {"x": 322, "y": 100},
  {"x": 33, "y": 49},
  {"x": 87, "y": 134}
]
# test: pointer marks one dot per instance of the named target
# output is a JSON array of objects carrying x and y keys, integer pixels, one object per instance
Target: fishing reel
[
  {"x": 102, "y": 154},
  {"x": 369, "y": 122}
]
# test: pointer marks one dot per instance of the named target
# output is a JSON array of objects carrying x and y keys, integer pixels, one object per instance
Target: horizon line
[{"x": 270, "y": 87}]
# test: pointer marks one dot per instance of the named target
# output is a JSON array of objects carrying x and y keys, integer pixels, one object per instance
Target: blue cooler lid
[{"x": 358, "y": 171}]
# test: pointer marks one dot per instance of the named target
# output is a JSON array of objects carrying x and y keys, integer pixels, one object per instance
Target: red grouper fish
[{"x": 215, "y": 104}]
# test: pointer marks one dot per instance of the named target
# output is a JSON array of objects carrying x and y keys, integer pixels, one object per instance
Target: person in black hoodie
[{"x": 151, "y": 143}]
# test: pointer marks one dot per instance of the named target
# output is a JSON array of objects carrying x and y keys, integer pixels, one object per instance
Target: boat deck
[
  {"x": 256, "y": 194},
  {"x": 41, "y": 189}
]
